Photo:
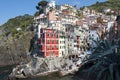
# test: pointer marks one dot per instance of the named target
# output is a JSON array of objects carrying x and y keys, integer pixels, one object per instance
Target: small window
[
  {"x": 75, "y": 45},
  {"x": 48, "y": 35},
  {"x": 52, "y": 41},
  {"x": 48, "y": 41},
  {"x": 60, "y": 41},
  {"x": 64, "y": 46},
  {"x": 75, "y": 40},
  {"x": 56, "y": 41},
  {"x": 52, "y": 47},
  {"x": 57, "y": 35},
  {"x": 48, "y": 47},
  {"x": 57, "y": 47},
  {"x": 52, "y": 35}
]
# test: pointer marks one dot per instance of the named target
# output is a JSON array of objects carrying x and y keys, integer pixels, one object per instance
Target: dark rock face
[{"x": 16, "y": 51}]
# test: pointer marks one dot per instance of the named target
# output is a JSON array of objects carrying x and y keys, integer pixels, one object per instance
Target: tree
[
  {"x": 36, "y": 14},
  {"x": 43, "y": 3},
  {"x": 41, "y": 6},
  {"x": 103, "y": 64},
  {"x": 97, "y": 2},
  {"x": 113, "y": 0}
]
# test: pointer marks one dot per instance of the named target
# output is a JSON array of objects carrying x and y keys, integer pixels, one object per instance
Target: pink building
[{"x": 51, "y": 16}]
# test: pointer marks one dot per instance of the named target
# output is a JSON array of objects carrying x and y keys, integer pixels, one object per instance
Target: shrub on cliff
[{"x": 102, "y": 65}]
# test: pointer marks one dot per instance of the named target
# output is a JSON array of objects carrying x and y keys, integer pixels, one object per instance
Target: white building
[
  {"x": 92, "y": 38},
  {"x": 62, "y": 46}
]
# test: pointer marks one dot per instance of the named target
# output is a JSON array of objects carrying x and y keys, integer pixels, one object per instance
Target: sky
[{"x": 12, "y": 8}]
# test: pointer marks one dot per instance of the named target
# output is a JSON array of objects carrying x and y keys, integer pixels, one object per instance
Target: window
[
  {"x": 75, "y": 40},
  {"x": 41, "y": 35},
  {"x": 57, "y": 47},
  {"x": 57, "y": 35},
  {"x": 52, "y": 47},
  {"x": 68, "y": 44},
  {"x": 52, "y": 35},
  {"x": 52, "y": 41},
  {"x": 48, "y": 47},
  {"x": 63, "y": 41},
  {"x": 75, "y": 45},
  {"x": 60, "y": 41},
  {"x": 50, "y": 24},
  {"x": 64, "y": 46},
  {"x": 56, "y": 41},
  {"x": 47, "y": 41},
  {"x": 48, "y": 34},
  {"x": 38, "y": 19}
]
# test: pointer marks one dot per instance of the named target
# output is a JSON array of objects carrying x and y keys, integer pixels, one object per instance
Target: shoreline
[
  {"x": 52, "y": 73},
  {"x": 50, "y": 76}
]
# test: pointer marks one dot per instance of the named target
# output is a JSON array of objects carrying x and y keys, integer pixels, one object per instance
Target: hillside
[
  {"x": 16, "y": 25},
  {"x": 15, "y": 37},
  {"x": 110, "y": 4}
]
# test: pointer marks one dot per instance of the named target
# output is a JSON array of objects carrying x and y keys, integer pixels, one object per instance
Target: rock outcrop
[{"x": 16, "y": 51}]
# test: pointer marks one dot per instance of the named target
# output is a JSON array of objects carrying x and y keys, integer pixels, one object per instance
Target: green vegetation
[
  {"x": 40, "y": 7},
  {"x": 103, "y": 64},
  {"x": 110, "y": 4},
  {"x": 1, "y": 37},
  {"x": 22, "y": 23}
]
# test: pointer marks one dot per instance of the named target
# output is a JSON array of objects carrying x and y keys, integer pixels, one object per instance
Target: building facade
[{"x": 49, "y": 43}]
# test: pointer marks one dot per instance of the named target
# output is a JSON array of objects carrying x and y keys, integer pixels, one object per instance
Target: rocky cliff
[
  {"x": 16, "y": 51},
  {"x": 15, "y": 37}
]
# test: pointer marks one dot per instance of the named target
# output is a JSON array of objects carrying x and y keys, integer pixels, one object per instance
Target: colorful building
[
  {"x": 60, "y": 31},
  {"x": 49, "y": 43}
]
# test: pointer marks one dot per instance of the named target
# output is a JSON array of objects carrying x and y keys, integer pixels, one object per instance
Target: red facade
[{"x": 49, "y": 43}]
